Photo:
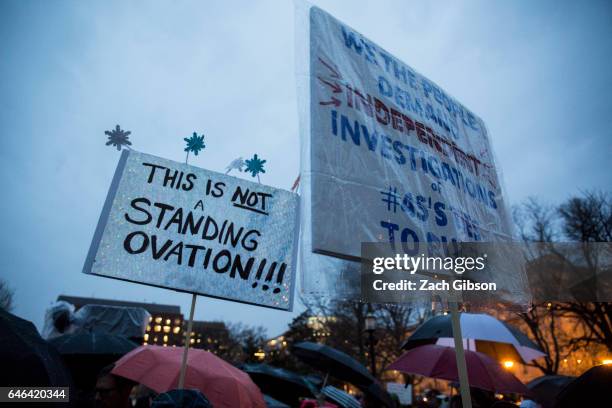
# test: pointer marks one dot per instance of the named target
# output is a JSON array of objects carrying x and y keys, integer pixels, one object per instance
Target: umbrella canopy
[
  {"x": 181, "y": 399},
  {"x": 342, "y": 366},
  {"x": 545, "y": 389},
  {"x": 158, "y": 368},
  {"x": 284, "y": 385},
  {"x": 272, "y": 403},
  {"x": 27, "y": 359},
  {"x": 480, "y": 332},
  {"x": 340, "y": 397},
  {"x": 591, "y": 389},
  {"x": 378, "y": 394},
  {"x": 440, "y": 362},
  {"x": 93, "y": 344},
  {"x": 85, "y": 354},
  {"x": 333, "y": 362}
]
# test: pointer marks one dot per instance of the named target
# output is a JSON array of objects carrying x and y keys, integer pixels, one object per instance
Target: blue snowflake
[
  {"x": 255, "y": 166},
  {"x": 118, "y": 137},
  {"x": 195, "y": 143}
]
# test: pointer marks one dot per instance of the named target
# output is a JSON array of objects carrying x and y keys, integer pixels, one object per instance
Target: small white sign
[{"x": 403, "y": 392}]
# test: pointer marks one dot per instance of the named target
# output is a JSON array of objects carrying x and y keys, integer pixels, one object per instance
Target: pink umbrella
[
  {"x": 439, "y": 362},
  {"x": 159, "y": 367}
]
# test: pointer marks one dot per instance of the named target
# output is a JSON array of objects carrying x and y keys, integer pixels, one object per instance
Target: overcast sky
[{"x": 538, "y": 73}]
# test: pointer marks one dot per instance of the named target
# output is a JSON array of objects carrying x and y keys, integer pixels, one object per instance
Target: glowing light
[
  {"x": 157, "y": 328},
  {"x": 508, "y": 364},
  {"x": 260, "y": 355},
  {"x": 607, "y": 361}
]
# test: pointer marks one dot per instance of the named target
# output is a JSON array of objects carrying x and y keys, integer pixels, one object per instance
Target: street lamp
[{"x": 370, "y": 328}]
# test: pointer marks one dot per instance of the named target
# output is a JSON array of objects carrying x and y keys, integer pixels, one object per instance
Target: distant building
[
  {"x": 165, "y": 324},
  {"x": 211, "y": 336},
  {"x": 320, "y": 325},
  {"x": 275, "y": 347}
]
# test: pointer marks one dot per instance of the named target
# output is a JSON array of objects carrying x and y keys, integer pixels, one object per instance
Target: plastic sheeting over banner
[
  {"x": 393, "y": 157},
  {"x": 61, "y": 319},
  {"x": 387, "y": 155},
  {"x": 118, "y": 320},
  {"x": 181, "y": 227}
]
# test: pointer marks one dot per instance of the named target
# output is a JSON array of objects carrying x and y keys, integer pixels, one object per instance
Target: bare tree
[
  {"x": 537, "y": 222},
  {"x": 589, "y": 219},
  {"x": 396, "y": 322},
  {"x": 6, "y": 296},
  {"x": 543, "y": 325},
  {"x": 244, "y": 341},
  {"x": 586, "y": 218},
  {"x": 341, "y": 325}
]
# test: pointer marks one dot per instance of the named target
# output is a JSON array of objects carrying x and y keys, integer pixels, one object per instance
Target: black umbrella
[
  {"x": 545, "y": 389},
  {"x": 87, "y": 344},
  {"x": 26, "y": 358},
  {"x": 591, "y": 389},
  {"x": 377, "y": 393},
  {"x": 181, "y": 399},
  {"x": 333, "y": 362},
  {"x": 85, "y": 354},
  {"x": 272, "y": 403},
  {"x": 342, "y": 366},
  {"x": 487, "y": 334},
  {"x": 283, "y": 385}
]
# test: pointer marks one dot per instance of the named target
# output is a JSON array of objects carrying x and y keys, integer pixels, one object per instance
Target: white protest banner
[
  {"x": 391, "y": 157},
  {"x": 176, "y": 226}
]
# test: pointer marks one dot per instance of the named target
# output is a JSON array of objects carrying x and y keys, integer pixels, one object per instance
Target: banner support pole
[
  {"x": 464, "y": 384},
  {"x": 187, "y": 343}
]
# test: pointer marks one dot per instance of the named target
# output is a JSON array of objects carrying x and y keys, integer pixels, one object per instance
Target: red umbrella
[
  {"x": 159, "y": 367},
  {"x": 440, "y": 362}
]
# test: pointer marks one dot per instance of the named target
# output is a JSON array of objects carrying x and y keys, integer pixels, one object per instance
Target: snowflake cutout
[
  {"x": 255, "y": 166},
  {"x": 195, "y": 143},
  {"x": 118, "y": 137}
]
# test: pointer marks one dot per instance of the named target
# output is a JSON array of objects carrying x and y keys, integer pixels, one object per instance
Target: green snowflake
[
  {"x": 255, "y": 166},
  {"x": 118, "y": 137},
  {"x": 195, "y": 143}
]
